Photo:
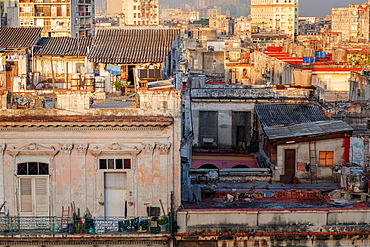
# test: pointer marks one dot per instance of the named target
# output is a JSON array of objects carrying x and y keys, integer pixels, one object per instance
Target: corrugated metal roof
[
  {"x": 288, "y": 114},
  {"x": 130, "y": 46},
  {"x": 63, "y": 46},
  {"x": 307, "y": 129},
  {"x": 19, "y": 37}
]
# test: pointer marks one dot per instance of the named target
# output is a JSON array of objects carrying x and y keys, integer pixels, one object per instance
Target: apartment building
[
  {"x": 176, "y": 14},
  {"x": 58, "y": 18},
  {"x": 276, "y": 15},
  {"x": 352, "y": 22},
  {"x": 209, "y": 12},
  {"x": 199, "y": 4},
  {"x": 140, "y": 12}
]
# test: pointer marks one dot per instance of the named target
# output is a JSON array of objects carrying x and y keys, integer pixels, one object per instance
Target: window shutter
[
  {"x": 41, "y": 196},
  {"x": 26, "y": 194}
]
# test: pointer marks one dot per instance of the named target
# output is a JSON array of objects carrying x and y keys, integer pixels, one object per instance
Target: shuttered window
[
  {"x": 34, "y": 196},
  {"x": 33, "y": 188},
  {"x": 326, "y": 158},
  {"x": 26, "y": 194}
]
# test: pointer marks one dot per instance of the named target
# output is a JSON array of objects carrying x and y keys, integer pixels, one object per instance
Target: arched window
[{"x": 208, "y": 166}]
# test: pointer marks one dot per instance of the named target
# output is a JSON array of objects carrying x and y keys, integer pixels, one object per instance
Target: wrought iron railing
[{"x": 81, "y": 225}]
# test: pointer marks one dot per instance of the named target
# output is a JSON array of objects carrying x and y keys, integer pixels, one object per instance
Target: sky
[
  {"x": 317, "y": 8},
  {"x": 321, "y": 8}
]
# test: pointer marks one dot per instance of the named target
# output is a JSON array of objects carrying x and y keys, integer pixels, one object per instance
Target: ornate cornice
[
  {"x": 82, "y": 147},
  {"x": 142, "y": 128},
  {"x": 32, "y": 149},
  {"x": 81, "y": 125},
  {"x": 148, "y": 147},
  {"x": 66, "y": 147},
  {"x": 163, "y": 147},
  {"x": 113, "y": 149}
]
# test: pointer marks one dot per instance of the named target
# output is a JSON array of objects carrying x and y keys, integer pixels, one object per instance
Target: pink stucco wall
[{"x": 223, "y": 161}]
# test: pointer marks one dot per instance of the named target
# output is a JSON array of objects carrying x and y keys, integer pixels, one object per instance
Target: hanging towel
[{"x": 114, "y": 69}]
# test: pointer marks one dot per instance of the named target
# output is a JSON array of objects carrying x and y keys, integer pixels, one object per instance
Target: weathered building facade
[{"x": 115, "y": 164}]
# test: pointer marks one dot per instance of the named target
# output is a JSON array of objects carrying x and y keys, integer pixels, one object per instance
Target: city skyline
[{"x": 307, "y": 7}]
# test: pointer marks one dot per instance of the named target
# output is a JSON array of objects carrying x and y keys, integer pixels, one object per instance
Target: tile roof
[
  {"x": 307, "y": 129},
  {"x": 63, "y": 46},
  {"x": 19, "y": 37},
  {"x": 131, "y": 46},
  {"x": 288, "y": 114}
]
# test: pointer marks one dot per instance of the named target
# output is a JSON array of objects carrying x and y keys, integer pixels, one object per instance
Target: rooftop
[
  {"x": 18, "y": 37},
  {"x": 260, "y": 195},
  {"x": 127, "y": 46},
  {"x": 288, "y": 114},
  {"x": 63, "y": 46}
]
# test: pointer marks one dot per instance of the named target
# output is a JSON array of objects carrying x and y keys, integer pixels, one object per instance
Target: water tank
[{"x": 356, "y": 181}]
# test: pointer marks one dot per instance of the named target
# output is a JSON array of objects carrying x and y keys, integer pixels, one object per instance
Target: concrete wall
[{"x": 331, "y": 80}]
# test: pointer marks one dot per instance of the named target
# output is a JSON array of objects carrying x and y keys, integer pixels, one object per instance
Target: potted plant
[
  {"x": 125, "y": 84},
  {"x": 118, "y": 86}
]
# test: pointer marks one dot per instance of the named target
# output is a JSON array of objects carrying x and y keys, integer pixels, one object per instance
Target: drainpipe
[{"x": 2, "y": 148}]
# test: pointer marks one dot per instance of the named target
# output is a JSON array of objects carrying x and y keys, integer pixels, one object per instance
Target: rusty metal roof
[
  {"x": 63, "y": 46},
  {"x": 307, "y": 129},
  {"x": 19, "y": 37},
  {"x": 132, "y": 46},
  {"x": 288, "y": 114}
]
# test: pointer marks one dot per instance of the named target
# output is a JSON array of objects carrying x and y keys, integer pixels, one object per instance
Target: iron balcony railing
[{"x": 81, "y": 225}]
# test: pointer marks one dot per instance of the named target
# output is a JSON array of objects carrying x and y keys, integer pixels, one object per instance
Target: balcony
[
  {"x": 84, "y": 2},
  {"x": 50, "y": 15},
  {"x": 83, "y": 13},
  {"x": 84, "y": 225},
  {"x": 50, "y": 1},
  {"x": 86, "y": 26},
  {"x": 55, "y": 28}
]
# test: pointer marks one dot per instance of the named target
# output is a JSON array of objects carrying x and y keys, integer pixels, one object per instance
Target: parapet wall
[
  {"x": 260, "y": 93},
  {"x": 210, "y": 221}
]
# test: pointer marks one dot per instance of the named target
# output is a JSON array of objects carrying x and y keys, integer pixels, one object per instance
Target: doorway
[
  {"x": 290, "y": 162},
  {"x": 114, "y": 194}
]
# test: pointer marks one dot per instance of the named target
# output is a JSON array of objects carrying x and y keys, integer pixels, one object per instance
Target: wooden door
[{"x": 290, "y": 162}]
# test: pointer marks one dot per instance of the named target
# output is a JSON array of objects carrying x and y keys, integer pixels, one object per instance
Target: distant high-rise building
[
  {"x": 276, "y": 15},
  {"x": 58, "y": 18},
  {"x": 140, "y": 12},
  {"x": 200, "y": 4},
  {"x": 352, "y": 22},
  {"x": 209, "y": 12},
  {"x": 114, "y": 7}
]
